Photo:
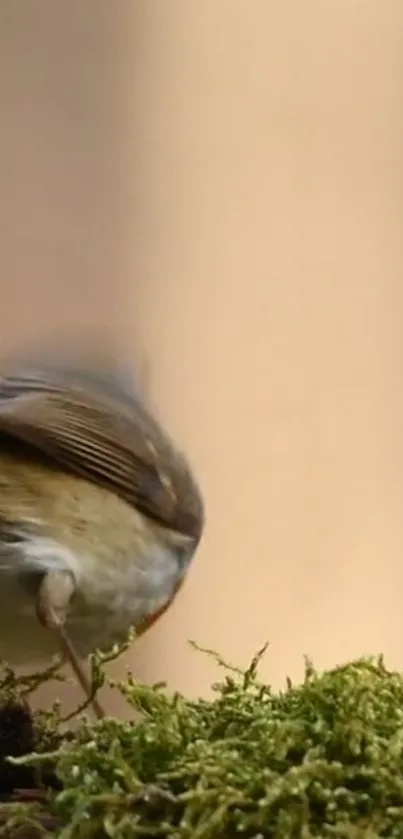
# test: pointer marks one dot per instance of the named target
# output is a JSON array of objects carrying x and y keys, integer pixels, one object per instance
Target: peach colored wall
[
  {"x": 63, "y": 187},
  {"x": 226, "y": 179}
]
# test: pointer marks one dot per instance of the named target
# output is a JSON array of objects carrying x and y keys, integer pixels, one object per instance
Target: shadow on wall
[
  {"x": 62, "y": 167},
  {"x": 63, "y": 153}
]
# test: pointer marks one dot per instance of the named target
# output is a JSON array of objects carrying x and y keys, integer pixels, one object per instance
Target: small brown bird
[{"x": 100, "y": 514}]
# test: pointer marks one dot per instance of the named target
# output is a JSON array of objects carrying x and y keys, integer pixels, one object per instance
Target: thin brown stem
[{"x": 71, "y": 655}]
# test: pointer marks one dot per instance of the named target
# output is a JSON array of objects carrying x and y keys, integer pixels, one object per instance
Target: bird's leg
[{"x": 54, "y": 595}]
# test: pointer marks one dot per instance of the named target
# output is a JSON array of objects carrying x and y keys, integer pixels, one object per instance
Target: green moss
[{"x": 323, "y": 759}]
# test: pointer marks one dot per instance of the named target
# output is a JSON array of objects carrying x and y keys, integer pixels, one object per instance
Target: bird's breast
[
  {"x": 111, "y": 597},
  {"x": 125, "y": 568}
]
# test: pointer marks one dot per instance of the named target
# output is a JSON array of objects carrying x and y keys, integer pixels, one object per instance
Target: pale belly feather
[{"x": 110, "y": 597}]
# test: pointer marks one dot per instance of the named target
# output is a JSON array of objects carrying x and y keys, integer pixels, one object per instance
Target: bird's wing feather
[{"x": 107, "y": 436}]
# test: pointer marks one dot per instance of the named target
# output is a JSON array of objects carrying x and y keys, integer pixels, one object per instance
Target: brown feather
[{"x": 94, "y": 427}]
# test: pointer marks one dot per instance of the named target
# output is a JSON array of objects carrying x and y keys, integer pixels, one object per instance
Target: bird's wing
[{"x": 95, "y": 428}]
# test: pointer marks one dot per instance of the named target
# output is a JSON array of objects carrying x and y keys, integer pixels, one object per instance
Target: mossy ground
[{"x": 320, "y": 759}]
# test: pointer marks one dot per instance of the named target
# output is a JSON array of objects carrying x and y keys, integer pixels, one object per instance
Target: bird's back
[{"x": 92, "y": 425}]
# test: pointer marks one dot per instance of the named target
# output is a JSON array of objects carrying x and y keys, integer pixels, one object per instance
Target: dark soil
[{"x": 18, "y": 738}]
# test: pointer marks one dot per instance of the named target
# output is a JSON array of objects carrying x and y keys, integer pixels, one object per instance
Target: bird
[{"x": 100, "y": 512}]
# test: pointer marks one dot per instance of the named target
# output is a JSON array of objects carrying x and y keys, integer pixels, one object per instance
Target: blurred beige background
[{"x": 221, "y": 183}]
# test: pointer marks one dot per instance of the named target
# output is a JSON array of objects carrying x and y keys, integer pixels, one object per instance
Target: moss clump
[{"x": 320, "y": 759}]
